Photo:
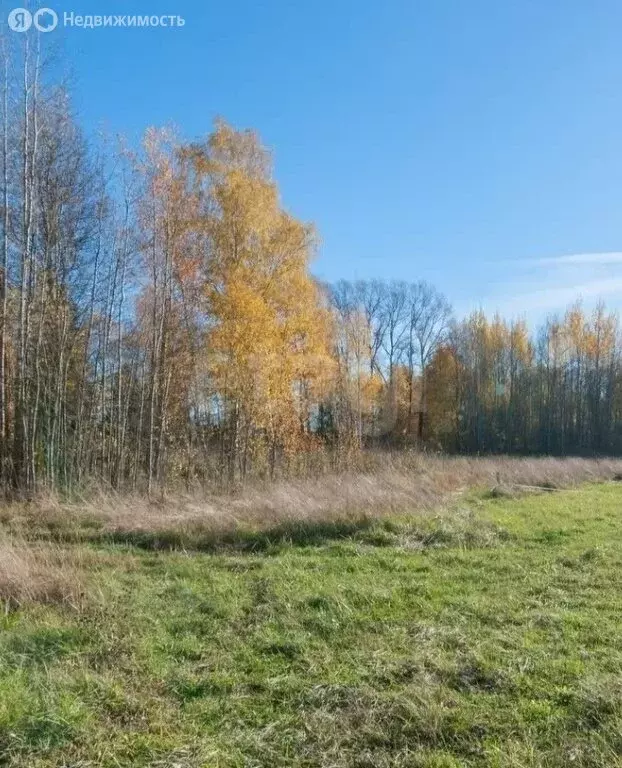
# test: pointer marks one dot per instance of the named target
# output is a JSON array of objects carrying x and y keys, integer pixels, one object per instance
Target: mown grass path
[{"x": 491, "y": 636}]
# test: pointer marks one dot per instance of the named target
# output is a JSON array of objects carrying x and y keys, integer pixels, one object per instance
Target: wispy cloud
[
  {"x": 535, "y": 287},
  {"x": 580, "y": 259},
  {"x": 554, "y": 298}
]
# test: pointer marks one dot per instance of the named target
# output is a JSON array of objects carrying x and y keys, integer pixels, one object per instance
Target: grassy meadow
[{"x": 483, "y": 632}]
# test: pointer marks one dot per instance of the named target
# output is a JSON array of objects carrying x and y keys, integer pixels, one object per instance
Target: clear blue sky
[{"x": 471, "y": 144}]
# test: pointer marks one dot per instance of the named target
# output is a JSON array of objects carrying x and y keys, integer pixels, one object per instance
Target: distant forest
[{"x": 159, "y": 324}]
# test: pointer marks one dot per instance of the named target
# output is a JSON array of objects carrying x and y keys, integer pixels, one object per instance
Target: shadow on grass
[
  {"x": 416, "y": 532},
  {"x": 412, "y": 535},
  {"x": 295, "y": 533}
]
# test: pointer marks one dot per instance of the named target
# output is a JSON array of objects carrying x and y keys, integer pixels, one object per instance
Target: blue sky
[{"x": 477, "y": 145}]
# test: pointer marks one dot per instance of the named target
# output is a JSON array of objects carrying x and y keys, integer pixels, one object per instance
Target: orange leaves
[
  {"x": 268, "y": 335},
  {"x": 582, "y": 338}
]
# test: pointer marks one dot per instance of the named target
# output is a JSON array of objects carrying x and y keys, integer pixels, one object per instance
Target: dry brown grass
[
  {"x": 398, "y": 484},
  {"x": 34, "y": 568},
  {"x": 38, "y": 573}
]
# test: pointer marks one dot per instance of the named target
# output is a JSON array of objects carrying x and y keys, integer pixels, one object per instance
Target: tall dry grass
[
  {"x": 36, "y": 565},
  {"x": 398, "y": 484},
  {"x": 38, "y": 573}
]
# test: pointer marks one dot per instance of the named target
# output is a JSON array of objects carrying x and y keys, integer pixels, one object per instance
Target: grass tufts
[{"x": 38, "y": 574}]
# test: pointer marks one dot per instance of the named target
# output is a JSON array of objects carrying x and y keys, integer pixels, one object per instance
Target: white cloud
[
  {"x": 560, "y": 297},
  {"x": 534, "y": 288},
  {"x": 579, "y": 259}
]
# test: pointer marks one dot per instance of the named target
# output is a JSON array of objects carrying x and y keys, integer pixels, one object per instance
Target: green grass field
[{"x": 488, "y": 636}]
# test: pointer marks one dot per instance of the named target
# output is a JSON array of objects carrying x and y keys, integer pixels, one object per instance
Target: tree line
[
  {"x": 478, "y": 385},
  {"x": 159, "y": 323}
]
